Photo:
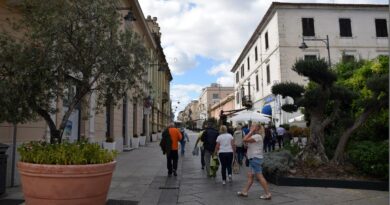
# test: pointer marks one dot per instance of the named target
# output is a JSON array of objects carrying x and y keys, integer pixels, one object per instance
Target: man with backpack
[
  {"x": 209, "y": 139},
  {"x": 170, "y": 145}
]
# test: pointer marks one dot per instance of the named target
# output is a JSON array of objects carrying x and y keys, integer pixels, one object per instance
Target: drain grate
[
  {"x": 168, "y": 187},
  {"x": 121, "y": 202},
  {"x": 11, "y": 201}
]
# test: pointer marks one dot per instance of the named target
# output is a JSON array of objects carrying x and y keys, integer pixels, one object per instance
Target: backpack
[
  {"x": 166, "y": 142},
  {"x": 209, "y": 139}
]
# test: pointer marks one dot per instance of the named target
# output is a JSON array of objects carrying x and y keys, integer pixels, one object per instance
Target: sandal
[
  {"x": 242, "y": 194},
  {"x": 266, "y": 197}
]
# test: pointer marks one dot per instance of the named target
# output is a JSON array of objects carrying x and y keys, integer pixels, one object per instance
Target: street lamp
[{"x": 303, "y": 45}]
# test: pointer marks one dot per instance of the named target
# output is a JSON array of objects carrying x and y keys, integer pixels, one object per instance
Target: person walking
[
  {"x": 280, "y": 132},
  {"x": 267, "y": 142},
  {"x": 238, "y": 137},
  {"x": 254, "y": 139},
  {"x": 209, "y": 138},
  {"x": 170, "y": 144},
  {"x": 225, "y": 148},
  {"x": 199, "y": 144},
  {"x": 183, "y": 140}
]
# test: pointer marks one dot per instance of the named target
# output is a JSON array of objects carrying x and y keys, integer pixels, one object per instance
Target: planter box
[
  {"x": 65, "y": 184},
  {"x": 154, "y": 137},
  {"x": 109, "y": 145},
  {"x": 134, "y": 142},
  {"x": 335, "y": 183},
  {"x": 159, "y": 135},
  {"x": 142, "y": 140}
]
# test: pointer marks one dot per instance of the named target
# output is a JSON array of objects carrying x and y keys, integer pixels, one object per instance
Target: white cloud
[{"x": 217, "y": 29}]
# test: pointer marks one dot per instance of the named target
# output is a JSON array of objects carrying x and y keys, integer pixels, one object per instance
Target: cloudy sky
[{"x": 202, "y": 39}]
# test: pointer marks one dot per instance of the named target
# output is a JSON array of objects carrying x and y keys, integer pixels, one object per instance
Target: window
[
  {"x": 381, "y": 27},
  {"x": 238, "y": 97},
  {"x": 237, "y": 76},
  {"x": 247, "y": 60},
  {"x": 257, "y": 82},
  {"x": 308, "y": 27},
  {"x": 215, "y": 96},
  {"x": 266, "y": 40},
  {"x": 268, "y": 75},
  {"x": 256, "y": 58},
  {"x": 310, "y": 57},
  {"x": 348, "y": 58},
  {"x": 345, "y": 27},
  {"x": 242, "y": 70}
]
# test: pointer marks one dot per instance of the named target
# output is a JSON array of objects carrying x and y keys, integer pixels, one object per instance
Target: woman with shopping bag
[{"x": 225, "y": 148}]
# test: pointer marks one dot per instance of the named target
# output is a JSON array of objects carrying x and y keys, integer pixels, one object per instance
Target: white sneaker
[
  {"x": 230, "y": 178},
  {"x": 223, "y": 182}
]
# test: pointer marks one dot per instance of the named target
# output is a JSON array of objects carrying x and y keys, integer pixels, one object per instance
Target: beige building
[
  {"x": 190, "y": 112},
  {"x": 210, "y": 96},
  {"x": 130, "y": 117},
  {"x": 226, "y": 104}
]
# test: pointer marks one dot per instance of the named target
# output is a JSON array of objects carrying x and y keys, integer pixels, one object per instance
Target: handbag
[
  {"x": 236, "y": 166},
  {"x": 246, "y": 162},
  {"x": 195, "y": 152},
  {"x": 214, "y": 164}
]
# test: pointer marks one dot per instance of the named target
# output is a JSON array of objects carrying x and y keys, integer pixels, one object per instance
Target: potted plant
[
  {"x": 154, "y": 136},
  {"x": 109, "y": 144},
  {"x": 66, "y": 173},
  {"x": 135, "y": 141},
  {"x": 142, "y": 139},
  {"x": 159, "y": 134}
]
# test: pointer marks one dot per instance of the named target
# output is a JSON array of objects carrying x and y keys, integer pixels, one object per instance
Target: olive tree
[{"x": 64, "y": 44}]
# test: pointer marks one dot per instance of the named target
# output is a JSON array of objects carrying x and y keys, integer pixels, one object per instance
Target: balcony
[
  {"x": 246, "y": 101},
  {"x": 165, "y": 97}
]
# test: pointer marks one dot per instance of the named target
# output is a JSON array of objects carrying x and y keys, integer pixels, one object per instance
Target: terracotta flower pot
[{"x": 65, "y": 184}]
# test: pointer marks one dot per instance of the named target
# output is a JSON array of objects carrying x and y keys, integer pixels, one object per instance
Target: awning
[{"x": 267, "y": 110}]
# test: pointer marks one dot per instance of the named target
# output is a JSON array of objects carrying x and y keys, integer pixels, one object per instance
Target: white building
[{"x": 358, "y": 31}]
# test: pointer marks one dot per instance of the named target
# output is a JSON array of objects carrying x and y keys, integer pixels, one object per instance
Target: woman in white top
[
  {"x": 254, "y": 139},
  {"x": 225, "y": 148}
]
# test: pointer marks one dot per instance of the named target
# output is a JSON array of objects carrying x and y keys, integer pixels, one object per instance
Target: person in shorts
[{"x": 254, "y": 141}]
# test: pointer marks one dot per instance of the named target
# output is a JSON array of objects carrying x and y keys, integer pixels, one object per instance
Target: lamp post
[{"x": 324, "y": 40}]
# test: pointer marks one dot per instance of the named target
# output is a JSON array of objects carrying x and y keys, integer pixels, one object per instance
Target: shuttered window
[{"x": 308, "y": 27}]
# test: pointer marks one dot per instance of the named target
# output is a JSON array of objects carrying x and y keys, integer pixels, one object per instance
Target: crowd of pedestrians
[{"x": 227, "y": 147}]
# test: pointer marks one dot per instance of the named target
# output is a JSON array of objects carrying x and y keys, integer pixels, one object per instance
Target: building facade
[
  {"x": 210, "y": 96},
  {"x": 273, "y": 48},
  {"x": 226, "y": 104},
  {"x": 122, "y": 122}
]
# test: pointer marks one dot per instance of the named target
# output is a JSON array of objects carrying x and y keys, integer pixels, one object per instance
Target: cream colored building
[
  {"x": 190, "y": 112},
  {"x": 210, "y": 96}
]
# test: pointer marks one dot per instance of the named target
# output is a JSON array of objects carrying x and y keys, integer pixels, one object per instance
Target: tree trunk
[
  {"x": 339, "y": 156},
  {"x": 315, "y": 150}
]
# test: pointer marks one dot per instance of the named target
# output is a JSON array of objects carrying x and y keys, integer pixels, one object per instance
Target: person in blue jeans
[
  {"x": 240, "y": 150},
  {"x": 225, "y": 148},
  {"x": 254, "y": 140},
  {"x": 183, "y": 141}
]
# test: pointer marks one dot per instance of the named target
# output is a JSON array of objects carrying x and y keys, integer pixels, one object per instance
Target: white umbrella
[{"x": 253, "y": 116}]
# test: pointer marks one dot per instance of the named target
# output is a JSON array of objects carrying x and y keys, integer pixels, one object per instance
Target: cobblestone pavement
[{"x": 141, "y": 178}]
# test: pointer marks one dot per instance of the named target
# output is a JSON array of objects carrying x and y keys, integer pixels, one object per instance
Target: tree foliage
[
  {"x": 69, "y": 45},
  {"x": 369, "y": 81},
  {"x": 315, "y": 98}
]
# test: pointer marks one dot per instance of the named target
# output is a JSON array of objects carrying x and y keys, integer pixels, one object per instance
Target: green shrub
[
  {"x": 66, "y": 153},
  {"x": 371, "y": 157},
  {"x": 293, "y": 148}
]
